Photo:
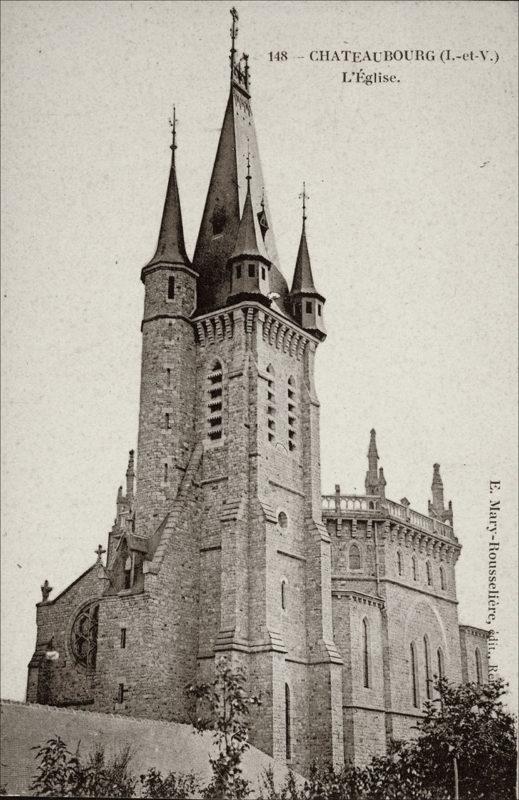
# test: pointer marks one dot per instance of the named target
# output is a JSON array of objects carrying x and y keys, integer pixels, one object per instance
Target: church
[{"x": 341, "y": 608}]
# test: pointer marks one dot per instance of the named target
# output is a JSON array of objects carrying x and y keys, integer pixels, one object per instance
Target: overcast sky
[{"x": 411, "y": 230}]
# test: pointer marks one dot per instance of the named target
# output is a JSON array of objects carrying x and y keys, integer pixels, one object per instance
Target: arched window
[
  {"x": 429, "y": 573},
  {"x": 414, "y": 676},
  {"x": 427, "y": 664},
  {"x": 288, "y": 731},
  {"x": 441, "y": 667},
  {"x": 442, "y": 577},
  {"x": 271, "y": 404},
  {"x": 479, "y": 672},
  {"x": 354, "y": 557},
  {"x": 415, "y": 569},
  {"x": 283, "y": 594},
  {"x": 215, "y": 402},
  {"x": 166, "y": 473},
  {"x": 365, "y": 653},
  {"x": 84, "y": 635},
  {"x": 399, "y": 562},
  {"x": 291, "y": 414}
]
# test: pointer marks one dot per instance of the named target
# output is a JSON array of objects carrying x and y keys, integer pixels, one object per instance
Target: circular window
[
  {"x": 282, "y": 519},
  {"x": 84, "y": 635}
]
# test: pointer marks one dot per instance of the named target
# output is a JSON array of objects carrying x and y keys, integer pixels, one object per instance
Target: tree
[
  {"x": 223, "y": 707},
  {"x": 466, "y": 730}
]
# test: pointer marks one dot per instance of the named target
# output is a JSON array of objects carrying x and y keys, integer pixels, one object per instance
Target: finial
[
  {"x": 173, "y": 123},
  {"x": 99, "y": 552},
  {"x": 248, "y": 163},
  {"x": 304, "y": 197},
  {"x": 234, "y": 34},
  {"x": 46, "y": 589}
]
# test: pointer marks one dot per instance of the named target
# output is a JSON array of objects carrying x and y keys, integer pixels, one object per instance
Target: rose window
[{"x": 84, "y": 635}]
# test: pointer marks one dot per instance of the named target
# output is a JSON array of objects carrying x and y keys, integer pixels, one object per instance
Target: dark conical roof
[
  {"x": 303, "y": 279},
  {"x": 249, "y": 241},
  {"x": 170, "y": 246}
]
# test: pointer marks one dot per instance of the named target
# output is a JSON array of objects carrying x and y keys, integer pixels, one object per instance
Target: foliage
[
  {"x": 181, "y": 787},
  {"x": 467, "y": 723},
  {"x": 58, "y": 770},
  {"x": 223, "y": 707}
]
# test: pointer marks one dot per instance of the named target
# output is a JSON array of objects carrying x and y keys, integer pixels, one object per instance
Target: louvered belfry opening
[{"x": 215, "y": 402}]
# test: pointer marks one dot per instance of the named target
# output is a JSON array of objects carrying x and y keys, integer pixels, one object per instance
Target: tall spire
[
  {"x": 170, "y": 246},
  {"x": 227, "y": 193}
]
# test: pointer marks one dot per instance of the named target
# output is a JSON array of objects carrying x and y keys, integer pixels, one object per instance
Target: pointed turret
[
  {"x": 227, "y": 192},
  {"x": 249, "y": 265},
  {"x": 375, "y": 482},
  {"x": 130, "y": 477},
  {"x": 171, "y": 248},
  {"x": 307, "y": 303},
  {"x": 437, "y": 507}
]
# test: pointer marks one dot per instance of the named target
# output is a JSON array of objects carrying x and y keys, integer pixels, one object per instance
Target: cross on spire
[
  {"x": 234, "y": 34},
  {"x": 173, "y": 123},
  {"x": 99, "y": 552},
  {"x": 304, "y": 198}
]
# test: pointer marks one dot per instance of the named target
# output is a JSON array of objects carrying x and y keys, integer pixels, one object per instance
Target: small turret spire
[
  {"x": 437, "y": 490},
  {"x": 375, "y": 482},
  {"x": 437, "y": 507},
  {"x": 130, "y": 475},
  {"x": 303, "y": 279},
  {"x": 171, "y": 248},
  {"x": 248, "y": 242}
]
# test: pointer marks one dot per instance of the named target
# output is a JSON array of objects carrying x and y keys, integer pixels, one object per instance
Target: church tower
[{"x": 168, "y": 380}]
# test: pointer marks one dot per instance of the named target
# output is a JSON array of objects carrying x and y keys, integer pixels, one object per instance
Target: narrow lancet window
[
  {"x": 365, "y": 653},
  {"x": 171, "y": 288},
  {"x": 441, "y": 668},
  {"x": 354, "y": 559},
  {"x": 288, "y": 730},
  {"x": 414, "y": 676},
  {"x": 442, "y": 578},
  {"x": 399, "y": 562},
  {"x": 427, "y": 662},
  {"x": 429, "y": 573},
  {"x": 415, "y": 569}
]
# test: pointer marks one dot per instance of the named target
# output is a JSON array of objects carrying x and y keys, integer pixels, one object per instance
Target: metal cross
[
  {"x": 304, "y": 197},
  {"x": 173, "y": 123}
]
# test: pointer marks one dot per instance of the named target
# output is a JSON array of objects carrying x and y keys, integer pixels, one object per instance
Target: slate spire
[
  {"x": 307, "y": 304},
  {"x": 249, "y": 241},
  {"x": 303, "y": 281},
  {"x": 227, "y": 192},
  {"x": 170, "y": 246}
]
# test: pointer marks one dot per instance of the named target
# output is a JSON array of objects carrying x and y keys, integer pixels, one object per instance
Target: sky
[{"x": 411, "y": 230}]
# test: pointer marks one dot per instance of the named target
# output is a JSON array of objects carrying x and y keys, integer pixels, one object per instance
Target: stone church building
[{"x": 342, "y": 607}]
